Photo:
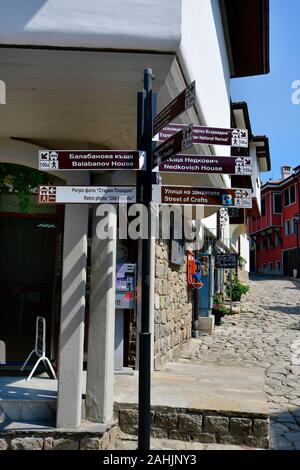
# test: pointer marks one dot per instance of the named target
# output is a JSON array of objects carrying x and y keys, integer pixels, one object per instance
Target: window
[
  {"x": 263, "y": 207},
  {"x": 277, "y": 206},
  {"x": 269, "y": 242},
  {"x": 278, "y": 265},
  {"x": 288, "y": 228},
  {"x": 277, "y": 239},
  {"x": 289, "y": 196},
  {"x": 292, "y": 194},
  {"x": 264, "y": 267},
  {"x": 294, "y": 226},
  {"x": 270, "y": 266}
]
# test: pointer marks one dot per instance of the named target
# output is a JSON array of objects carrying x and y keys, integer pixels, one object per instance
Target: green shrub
[{"x": 238, "y": 288}]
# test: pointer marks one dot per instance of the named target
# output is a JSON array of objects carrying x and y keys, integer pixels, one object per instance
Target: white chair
[{"x": 40, "y": 348}]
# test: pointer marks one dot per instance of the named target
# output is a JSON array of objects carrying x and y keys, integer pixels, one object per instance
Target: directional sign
[
  {"x": 188, "y": 195},
  {"x": 87, "y": 194},
  {"x": 176, "y": 144},
  {"x": 202, "y": 165},
  {"x": 185, "y": 100},
  {"x": 226, "y": 261},
  {"x": 209, "y": 135},
  {"x": 90, "y": 160}
]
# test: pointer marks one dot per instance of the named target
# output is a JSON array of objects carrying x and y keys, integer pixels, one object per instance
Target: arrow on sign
[{"x": 44, "y": 155}]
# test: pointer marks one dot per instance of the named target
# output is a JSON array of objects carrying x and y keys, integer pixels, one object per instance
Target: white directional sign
[{"x": 87, "y": 194}]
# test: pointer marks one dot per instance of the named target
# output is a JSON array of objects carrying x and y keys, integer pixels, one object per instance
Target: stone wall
[
  {"x": 172, "y": 306},
  {"x": 57, "y": 440},
  {"x": 200, "y": 425}
]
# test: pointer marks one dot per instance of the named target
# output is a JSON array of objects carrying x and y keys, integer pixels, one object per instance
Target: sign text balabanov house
[{"x": 56, "y": 160}]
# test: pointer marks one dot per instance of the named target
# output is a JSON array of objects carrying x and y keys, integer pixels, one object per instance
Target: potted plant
[
  {"x": 236, "y": 288},
  {"x": 219, "y": 309}
]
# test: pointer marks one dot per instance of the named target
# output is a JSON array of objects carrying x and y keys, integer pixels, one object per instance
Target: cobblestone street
[{"x": 265, "y": 335}]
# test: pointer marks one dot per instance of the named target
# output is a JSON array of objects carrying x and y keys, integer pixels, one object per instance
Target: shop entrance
[{"x": 30, "y": 273}]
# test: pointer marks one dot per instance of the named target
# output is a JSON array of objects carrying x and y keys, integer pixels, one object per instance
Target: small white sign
[{"x": 87, "y": 194}]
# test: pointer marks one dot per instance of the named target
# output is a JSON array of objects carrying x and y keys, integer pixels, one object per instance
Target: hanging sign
[
  {"x": 87, "y": 194},
  {"x": 181, "y": 103},
  {"x": 209, "y": 135},
  {"x": 182, "y": 140},
  {"x": 202, "y": 165},
  {"x": 226, "y": 261},
  {"x": 90, "y": 160},
  {"x": 189, "y": 195}
]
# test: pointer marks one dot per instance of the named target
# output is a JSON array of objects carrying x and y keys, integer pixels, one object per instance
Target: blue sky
[{"x": 269, "y": 97}]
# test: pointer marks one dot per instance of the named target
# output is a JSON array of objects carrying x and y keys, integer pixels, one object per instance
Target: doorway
[{"x": 28, "y": 282}]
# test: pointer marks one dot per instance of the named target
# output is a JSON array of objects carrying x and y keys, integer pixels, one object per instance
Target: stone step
[{"x": 27, "y": 410}]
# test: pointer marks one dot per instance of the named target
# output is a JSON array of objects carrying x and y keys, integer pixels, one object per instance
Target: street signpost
[
  {"x": 209, "y": 135},
  {"x": 181, "y": 103},
  {"x": 182, "y": 140},
  {"x": 87, "y": 194},
  {"x": 189, "y": 195},
  {"x": 57, "y": 160},
  {"x": 204, "y": 164},
  {"x": 226, "y": 261},
  {"x": 146, "y": 107}
]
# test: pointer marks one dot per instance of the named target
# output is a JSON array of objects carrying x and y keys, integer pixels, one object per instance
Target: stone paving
[{"x": 267, "y": 335}]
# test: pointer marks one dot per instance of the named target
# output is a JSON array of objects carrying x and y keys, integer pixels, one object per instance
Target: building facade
[
  {"x": 72, "y": 83},
  {"x": 275, "y": 233}
]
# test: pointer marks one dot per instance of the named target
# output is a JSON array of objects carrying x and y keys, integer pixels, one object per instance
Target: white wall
[
  {"x": 256, "y": 183},
  {"x": 112, "y": 24},
  {"x": 245, "y": 250},
  {"x": 203, "y": 57}
]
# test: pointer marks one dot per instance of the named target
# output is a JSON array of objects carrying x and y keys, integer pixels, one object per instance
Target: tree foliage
[{"x": 21, "y": 180}]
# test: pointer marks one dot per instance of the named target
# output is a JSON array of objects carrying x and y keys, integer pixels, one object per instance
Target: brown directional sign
[
  {"x": 205, "y": 164},
  {"x": 181, "y": 103},
  {"x": 182, "y": 140},
  {"x": 90, "y": 160},
  {"x": 188, "y": 195},
  {"x": 209, "y": 135}
]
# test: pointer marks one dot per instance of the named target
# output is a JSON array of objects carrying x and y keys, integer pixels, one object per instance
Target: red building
[{"x": 275, "y": 233}]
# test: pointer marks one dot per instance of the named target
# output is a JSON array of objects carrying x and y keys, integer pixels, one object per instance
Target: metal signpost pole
[
  {"x": 230, "y": 274},
  {"x": 145, "y": 140}
]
